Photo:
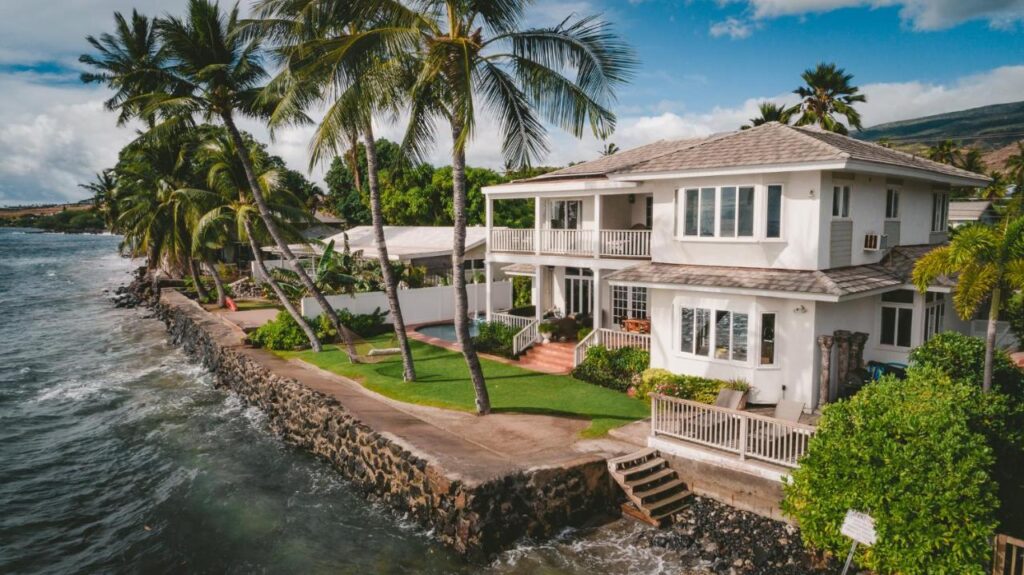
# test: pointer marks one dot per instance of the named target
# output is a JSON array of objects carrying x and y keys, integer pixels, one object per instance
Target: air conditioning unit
[{"x": 874, "y": 241}]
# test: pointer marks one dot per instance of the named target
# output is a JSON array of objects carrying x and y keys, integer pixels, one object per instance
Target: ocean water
[{"x": 117, "y": 455}]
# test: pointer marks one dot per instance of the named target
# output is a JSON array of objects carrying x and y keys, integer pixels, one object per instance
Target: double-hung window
[
  {"x": 934, "y": 314},
  {"x": 728, "y": 331},
  {"x": 940, "y": 211},
  {"x": 841, "y": 201},
  {"x": 892, "y": 204},
  {"x": 897, "y": 318}
]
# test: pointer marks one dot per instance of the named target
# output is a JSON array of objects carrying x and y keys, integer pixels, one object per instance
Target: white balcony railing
[
  {"x": 516, "y": 321},
  {"x": 567, "y": 242},
  {"x": 625, "y": 243},
  {"x": 512, "y": 240},
  {"x": 746, "y": 434},
  {"x": 612, "y": 339}
]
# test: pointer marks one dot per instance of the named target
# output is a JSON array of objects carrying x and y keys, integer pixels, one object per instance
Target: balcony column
[
  {"x": 489, "y": 219},
  {"x": 537, "y": 223},
  {"x": 596, "y": 294},
  {"x": 538, "y": 291},
  {"x": 597, "y": 227},
  {"x": 825, "y": 343},
  {"x": 489, "y": 278}
]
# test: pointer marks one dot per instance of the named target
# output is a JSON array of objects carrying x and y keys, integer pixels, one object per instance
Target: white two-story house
[{"x": 747, "y": 251}]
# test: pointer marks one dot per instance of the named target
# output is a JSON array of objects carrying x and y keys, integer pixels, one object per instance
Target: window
[
  {"x": 566, "y": 214},
  {"x": 707, "y": 212},
  {"x": 729, "y": 333},
  {"x": 768, "y": 339},
  {"x": 892, "y": 204},
  {"x": 934, "y": 314},
  {"x": 649, "y": 212},
  {"x": 695, "y": 334},
  {"x": 897, "y": 318},
  {"x": 628, "y": 303},
  {"x": 692, "y": 207},
  {"x": 578, "y": 283},
  {"x": 940, "y": 209},
  {"x": 773, "y": 213},
  {"x": 736, "y": 216},
  {"x": 841, "y": 202},
  {"x": 730, "y": 336}
]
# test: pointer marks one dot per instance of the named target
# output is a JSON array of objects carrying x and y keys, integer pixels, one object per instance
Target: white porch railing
[
  {"x": 512, "y": 240},
  {"x": 567, "y": 242},
  {"x": 526, "y": 337},
  {"x": 746, "y": 434},
  {"x": 612, "y": 339},
  {"x": 625, "y": 243},
  {"x": 516, "y": 321}
]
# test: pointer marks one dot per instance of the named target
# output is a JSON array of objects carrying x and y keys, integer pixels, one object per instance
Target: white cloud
[
  {"x": 919, "y": 14},
  {"x": 732, "y": 27}
]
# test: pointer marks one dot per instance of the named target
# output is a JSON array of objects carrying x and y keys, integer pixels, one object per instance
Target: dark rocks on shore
[
  {"x": 137, "y": 293},
  {"x": 727, "y": 540}
]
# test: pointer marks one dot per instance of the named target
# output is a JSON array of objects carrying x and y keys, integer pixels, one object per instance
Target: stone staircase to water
[
  {"x": 553, "y": 357},
  {"x": 654, "y": 489}
]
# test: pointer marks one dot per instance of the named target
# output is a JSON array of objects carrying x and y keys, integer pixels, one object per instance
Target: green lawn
[
  {"x": 443, "y": 381},
  {"x": 248, "y": 304}
]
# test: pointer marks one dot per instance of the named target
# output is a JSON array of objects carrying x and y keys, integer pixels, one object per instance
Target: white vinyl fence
[
  {"x": 421, "y": 305},
  {"x": 1004, "y": 337}
]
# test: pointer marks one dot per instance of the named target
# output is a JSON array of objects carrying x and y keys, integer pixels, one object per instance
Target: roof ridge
[
  {"x": 697, "y": 142},
  {"x": 804, "y": 133}
]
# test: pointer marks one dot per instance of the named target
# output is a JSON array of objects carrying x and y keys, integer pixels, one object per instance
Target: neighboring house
[
  {"x": 969, "y": 211},
  {"x": 742, "y": 249}
]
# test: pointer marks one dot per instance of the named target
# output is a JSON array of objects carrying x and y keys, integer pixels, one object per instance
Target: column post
[
  {"x": 842, "y": 338},
  {"x": 537, "y": 223},
  {"x": 597, "y": 225},
  {"x": 489, "y": 220},
  {"x": 825, "y": 345},
  {"x": 538, "y": 291},
  {"x": 596, "y": 294},
  {"x": 488, "y": 288}
]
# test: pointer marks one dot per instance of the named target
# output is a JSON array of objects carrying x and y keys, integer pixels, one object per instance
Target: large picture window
[
  {"x": 695, "y": 331},
  {"x": 728, "y": 331},
  {"x": 897, "y": 318},
  {"x": 726, "y": 212}
]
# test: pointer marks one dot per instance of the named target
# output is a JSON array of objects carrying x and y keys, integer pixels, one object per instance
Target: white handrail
[
  {"x": 512, "y": 240},
  {"x": 625, "y": 243},
  {"x": 746, "y": 434},
  {"x": 612, "y": 339},
  {"x": 567, "y": 242},
  {"x": 525, "y": 337},
  {"x": 516, "y": 321},
  {"x": 580, "y": 352}
]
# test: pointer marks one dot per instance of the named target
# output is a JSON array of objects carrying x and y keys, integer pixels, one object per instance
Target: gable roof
[{"x": 893, "y": 271}]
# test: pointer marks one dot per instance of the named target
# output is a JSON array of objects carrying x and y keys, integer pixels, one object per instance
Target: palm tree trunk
[
  {"x": 288, "y": 306},
  {"x": 275, "y": 233},
  {"x": 990, "y": 338},
  {"x": 217, "y": 283},
  {"x": 201, "y": 292},
  {"x": 483, "y": 400},
  {"x": 386, "y": 271}
]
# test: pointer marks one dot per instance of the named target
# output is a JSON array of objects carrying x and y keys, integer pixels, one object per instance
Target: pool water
[{"x": 446, "y": 331}]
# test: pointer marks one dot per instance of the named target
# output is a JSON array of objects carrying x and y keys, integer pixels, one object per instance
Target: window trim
[
  {"x": 782, "y": 214},
  {"x": 938, "y": 304},
  {"x": 677, "y": 344},
  {"x": 630, "y": 300},
  {"x": 896, "y": 191},
  {"x": 847, "y": 191},
  {"x": 760, "y": 214},
  {"x": 940, "y": 224},
  {"x": 896, "y": 325},
  {"x": 760, "y": 340}
]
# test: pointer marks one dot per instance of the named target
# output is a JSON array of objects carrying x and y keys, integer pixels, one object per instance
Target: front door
[
  {"x": 578, "y": 291},
  {"x": 566, "y": 214}
]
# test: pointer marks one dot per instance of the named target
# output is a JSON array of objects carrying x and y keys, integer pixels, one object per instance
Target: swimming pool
[{"x": 445, "y": 331}]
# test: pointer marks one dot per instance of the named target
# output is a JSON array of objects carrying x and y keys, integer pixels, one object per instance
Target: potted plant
[{"x": 546, "y": 329}]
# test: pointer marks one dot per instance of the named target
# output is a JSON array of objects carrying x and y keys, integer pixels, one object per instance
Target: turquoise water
[
  {"x": 445, "y": 331},
  {"x": 117, "y": 455}
]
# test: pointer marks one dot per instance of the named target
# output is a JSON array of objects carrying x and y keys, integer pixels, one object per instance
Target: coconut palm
[
  {"x": 828, "y": 93},
  {"x": 988, "y": 260},
  {"x": 104, "y": 196},
  {"x": 972, "y": 161},
  {"x": 475, "y": 57},
  {"x": 771, "y": 112},
  {"x": 339, "y": 56},
  {"x": 214, "y": 71},
  {"x": 609, "y": 149},
  {"x": 946, "y": 152}
]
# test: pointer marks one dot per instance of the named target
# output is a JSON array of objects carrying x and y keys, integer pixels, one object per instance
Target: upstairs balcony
[{"x": 633, "y": 244}]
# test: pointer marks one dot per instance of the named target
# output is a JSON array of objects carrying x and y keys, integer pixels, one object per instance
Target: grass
[
  {"x": 443, "y": 381},
  {"x": 248, "y": 304}
]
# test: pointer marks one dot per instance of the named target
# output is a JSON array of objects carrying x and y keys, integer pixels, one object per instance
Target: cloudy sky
[{"x": 705, "y": 65}]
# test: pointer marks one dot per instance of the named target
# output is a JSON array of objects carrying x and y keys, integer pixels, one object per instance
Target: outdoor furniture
[
  {"x": 728, "y": 399},
  {"x": 637, "y": 325}
]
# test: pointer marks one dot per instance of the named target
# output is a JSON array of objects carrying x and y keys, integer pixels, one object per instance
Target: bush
[
  {"x": 364, "y": 325},
  {"x": 283, "y": 333},
  {"x": 905, "y": 452},
  {"x": 495, "y": 337},
  {"x": 617, "y": 369},
  {"x": 692, "y": 387},
  {"x": 962, "y": 358}
]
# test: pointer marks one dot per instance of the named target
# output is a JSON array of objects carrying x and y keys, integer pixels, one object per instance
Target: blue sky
[{"x": 704, "y": 66}]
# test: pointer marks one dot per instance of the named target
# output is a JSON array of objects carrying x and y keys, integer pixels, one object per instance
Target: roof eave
[
  {"x": 730, "y": 171},
  {"x": 806, "y": 296},
  {"x": 918, "y": 173},
  {"x": 532, "y": 188}
]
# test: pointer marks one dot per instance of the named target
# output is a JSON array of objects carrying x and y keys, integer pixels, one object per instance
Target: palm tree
[
  {"x": 997, "y": 189},
  {"x": 972, "y": 161},
  {"x": 828, "y": 93},
  {"x": 474, "y": 55},
  {"x": 347, "y": 61},
  {"x": 987, "y": 260},
  {"x": 609, "y": 149},
  {"x": 104, "y": 196},
  {"x": 771, "y": 112},
  {"x": 946, "y": 152},
  {"x": 1015, "y": 167},
  {"x": 215, "y": 71}
]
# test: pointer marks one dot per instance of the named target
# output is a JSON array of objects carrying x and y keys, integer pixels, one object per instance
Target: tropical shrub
[
  {"x": 907, "y": 453},
  {"x": 692, "y": 387},
  {"x": 282, "y": 333},
  {"x": 617, "y": 369},
  {"x": 495, "y": 337},
  {"x": 962, "y": 358},
  {"x": 365, "y": 324}
]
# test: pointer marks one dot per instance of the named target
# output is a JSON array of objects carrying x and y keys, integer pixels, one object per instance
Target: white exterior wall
[
  {"x": 421, "y": 305},
  {"x": 797, "y": 249},
  {"x": 792, "y": 376}
]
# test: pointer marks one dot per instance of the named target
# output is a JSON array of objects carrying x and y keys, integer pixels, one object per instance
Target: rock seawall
[{"x": 474, "y": 519}]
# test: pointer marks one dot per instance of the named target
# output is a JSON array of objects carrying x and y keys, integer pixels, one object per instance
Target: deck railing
[
  {"x": 625, "y": 243},
  {"x": 512, "y": 240},
  {"x": 526, "y": 337},
  {"x": 516, "y": 321},
  {"x": 567, "y": 242},
  {"x": 746, "y": 434},
  {"x": 611, "y": 339},
  {"x": 1008, "y": 556}
]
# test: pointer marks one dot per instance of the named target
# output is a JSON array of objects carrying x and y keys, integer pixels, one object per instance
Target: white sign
[{"x": 860, "y": 527}]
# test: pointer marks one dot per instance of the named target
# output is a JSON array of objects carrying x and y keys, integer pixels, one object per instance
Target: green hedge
[
  {"x": 617, "y": 369},
  {"x": 909, "y": 454},
  {"x": 284, "y": 333},
  {"x": 692, "y": 387},
  {"x": 962, "y": 358},
  {"x": 495, "y": 337}
]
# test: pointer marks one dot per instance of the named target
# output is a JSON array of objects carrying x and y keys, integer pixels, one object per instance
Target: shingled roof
[
  {"x": 620, "y": 160},
  {"x": 893, "y": 271}
]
